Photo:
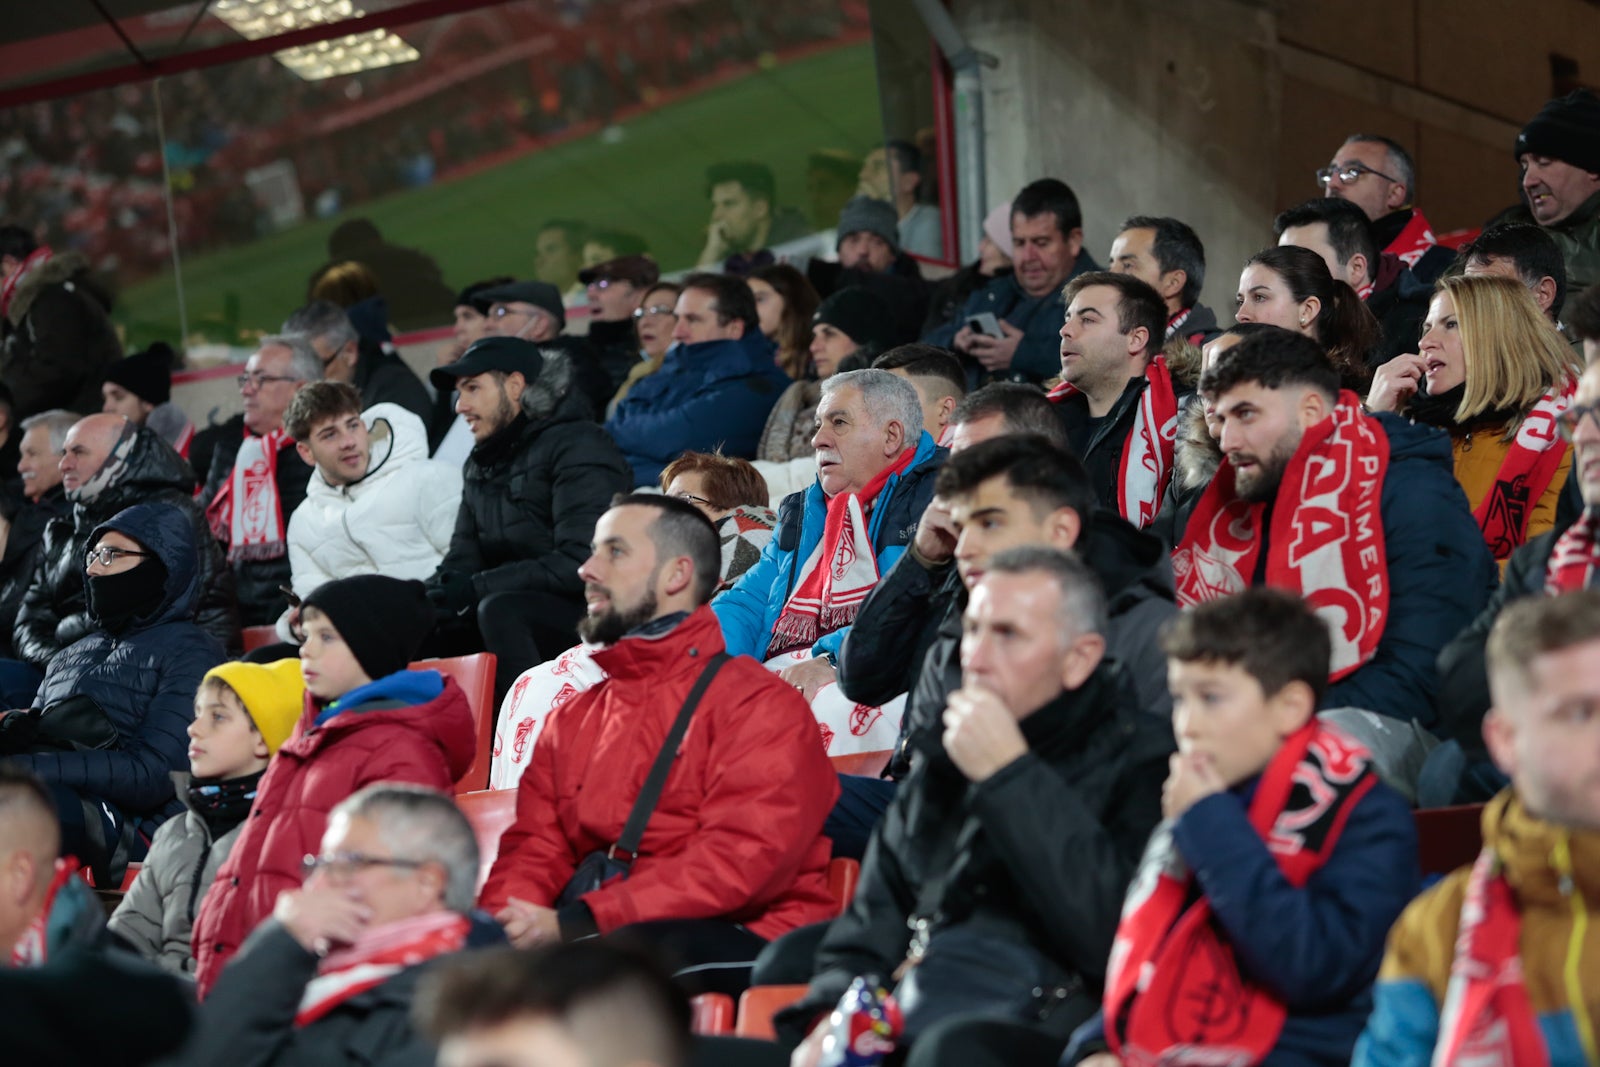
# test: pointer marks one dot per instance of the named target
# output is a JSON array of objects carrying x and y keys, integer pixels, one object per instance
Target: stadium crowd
[{"x": 1158, "y": 629}]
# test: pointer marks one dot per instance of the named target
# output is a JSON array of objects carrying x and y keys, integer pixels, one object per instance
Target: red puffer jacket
[
  {"x": 430, "y": 743},
  {"x": 737, "y": 834}
]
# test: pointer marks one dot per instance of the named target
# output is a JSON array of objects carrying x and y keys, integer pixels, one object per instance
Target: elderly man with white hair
[
  {"x": 335, "y": 967},
  {"x": 835, "y": 539}
]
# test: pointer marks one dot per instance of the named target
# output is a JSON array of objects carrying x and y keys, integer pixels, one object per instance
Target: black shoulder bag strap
[{"x": 627, "y": 846}]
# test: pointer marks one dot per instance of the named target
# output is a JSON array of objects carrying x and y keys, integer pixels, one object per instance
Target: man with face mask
[
  {"x": 108, "y": 464},
  {"x": 108, "y": 725}
]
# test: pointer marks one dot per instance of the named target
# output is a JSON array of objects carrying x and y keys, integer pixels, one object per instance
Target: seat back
[
  {"x": 1448, "y": 838},
  {"x": 864, "y": 764},
  {"x": 711, "y": 1014},
  {"x": 757, "y": 1006},
  {"x": 843, "y": 874},
  {"x": 491, "y": 812},
  {"x": 258, "y": 637},
  {"x": 475, "y": 675}
]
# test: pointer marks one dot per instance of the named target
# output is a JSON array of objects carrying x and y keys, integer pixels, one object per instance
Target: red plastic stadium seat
[
  {"x": 865, "y": 764},
  {"x": 475, "y": 675},
  {"x": 1448, "y": 838},
  {"x": 711, "y": 1014},
  {"x": 758, "y": 1004},
  {"x": 259, "y": 637},
  {"x": 1454, "y": 239},
  {"x": 491, "y": 812},
  {"x": 843, "y": 874}
]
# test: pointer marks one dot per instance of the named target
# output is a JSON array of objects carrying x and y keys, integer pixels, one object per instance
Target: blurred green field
[{"x": 649, "y": 182}]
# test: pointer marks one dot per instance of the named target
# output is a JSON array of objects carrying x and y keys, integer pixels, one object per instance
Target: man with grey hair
[
  {"x": 1001, "y": 865},
  {"x": 255, "y": 484},
  {"x": 337, "y": 964},
  {"x": 1376, "y": 174},
  {"x": 875, "y": 472},
  {"x": 38, "y": 462},
  {"x": 368, "y": 363}
]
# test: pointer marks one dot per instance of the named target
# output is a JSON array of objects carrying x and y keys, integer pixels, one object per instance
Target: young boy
[
  {"x": 243, "y": 712},
  {"x": 1255, "y": 925},
  {"x": 367, "y": 719}
]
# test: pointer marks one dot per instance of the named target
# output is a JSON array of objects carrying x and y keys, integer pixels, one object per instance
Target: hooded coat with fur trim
[{"x": 56, "y": 342}]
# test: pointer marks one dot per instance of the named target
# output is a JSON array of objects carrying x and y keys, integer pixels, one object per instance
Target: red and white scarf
[
  {"x": 1174, "y": 994},
  {"x": 827, "y": 596},
  {"x": 1413, "y": 242},
  {"x": 37, "y": 258},
  {"x": 1574, "y": 557},
  {"x": 33, "y": 947},
  {"x": 378, "y": 956},
  {"x": 1178, "y": 320},
  {"x": 247, "y": 512},
  {"x": 1326, "y": 540},
  {"x": 1487, "y": 1017},
  {"x": 1527, "y": 470},
  {"x": 1146, "y": 465}
]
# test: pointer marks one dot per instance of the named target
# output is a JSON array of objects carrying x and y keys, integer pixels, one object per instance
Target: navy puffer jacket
[{"x": 144, "y": 679}]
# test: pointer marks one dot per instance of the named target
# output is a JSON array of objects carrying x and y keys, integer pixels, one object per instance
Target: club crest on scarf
[{"x": 1529, "y": 466}]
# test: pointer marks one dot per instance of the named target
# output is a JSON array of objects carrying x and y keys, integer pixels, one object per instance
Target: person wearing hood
[
  {"x": 367, "y": 719},
  {"x": 56, "y": 339},
  {"x": 108, "y": 724},
  {"x": 871, "y": 258},
  {"x": 540, "y": 475},
  {"x": 376, "y": 503},
  {"x": 372, "y": 366},
  {"x": 715, "y": 388},
  {"x": 139, "y": 388},
  {"x": 109, "y": 464}
]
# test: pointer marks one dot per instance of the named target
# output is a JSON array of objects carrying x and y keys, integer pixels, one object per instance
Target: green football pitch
[{"x": 648, "y": 181}]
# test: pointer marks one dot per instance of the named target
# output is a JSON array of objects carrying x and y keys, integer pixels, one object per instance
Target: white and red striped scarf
[
  {"x": 1527, "y": 470},
  {"x": 378, "y": 956},
  {"x": 1575, "y": 556},
  {"x": 1146, "y": 465},
  {"x": 1326, "y": 540},
  {"x": 247, "y": 512}
]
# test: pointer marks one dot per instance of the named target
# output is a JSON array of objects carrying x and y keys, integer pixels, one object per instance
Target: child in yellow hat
[{"x": 242, "y": 713}]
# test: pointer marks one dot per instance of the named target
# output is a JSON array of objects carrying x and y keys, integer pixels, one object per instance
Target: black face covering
[{"x": 116, "y": 600}]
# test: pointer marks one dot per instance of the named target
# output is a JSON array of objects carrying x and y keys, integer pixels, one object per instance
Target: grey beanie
[{"x": 865, "y": 214}]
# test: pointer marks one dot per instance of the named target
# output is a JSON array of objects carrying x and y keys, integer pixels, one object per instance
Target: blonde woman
[{"x": 1491, "y": 372}]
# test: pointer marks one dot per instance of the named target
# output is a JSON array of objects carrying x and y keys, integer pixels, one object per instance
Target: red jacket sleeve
[
  {"x": 768, "y": 792},
  {"x": 535, "y": 860}
]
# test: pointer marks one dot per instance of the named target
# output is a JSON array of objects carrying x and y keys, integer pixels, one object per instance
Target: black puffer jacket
[
  {"x": 53, "y": 612},
  {"x": 534, "y": 491},
  {"x": 260, "y": 599},
  {"x": 24, "y": 546},
  {"x": 57, "y": 341},
  {"x": 1039, "y": 854},
  {"x": 144, "y": 679}
]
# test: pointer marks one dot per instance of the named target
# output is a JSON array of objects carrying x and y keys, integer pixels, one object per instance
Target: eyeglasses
[
  {"x": 255, "y": 379},
  {"x": 105, "y": 555},
  {"x": 1347, "y": 173},
  {"x": 1569, "y": 420},
  {"x": 342, "y": 865},
  {"x": 690, "y": 498},
  {"x": 655, "y": 309}
]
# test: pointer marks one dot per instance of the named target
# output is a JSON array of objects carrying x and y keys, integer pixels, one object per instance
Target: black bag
[{"x": 600, "y": 867}]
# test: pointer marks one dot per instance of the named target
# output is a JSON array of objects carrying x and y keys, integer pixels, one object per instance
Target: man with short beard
[
  {"x": 1360, "y": 514},
  {"x": 732, "y": 854}
]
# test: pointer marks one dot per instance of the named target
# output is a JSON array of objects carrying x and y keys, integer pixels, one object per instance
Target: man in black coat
[
  {"x": 381, "y": 375},
  {"x": 1001, "y": 866},
  {"x": 540, "y": 475},
  {"x": 56, "y": 340},
  {"x": 870, "y": 258},
  {"x": 44, "y": 436}
]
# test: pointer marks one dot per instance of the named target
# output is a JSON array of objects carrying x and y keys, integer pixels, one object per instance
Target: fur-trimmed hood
[{"x": 66, "y": 268}]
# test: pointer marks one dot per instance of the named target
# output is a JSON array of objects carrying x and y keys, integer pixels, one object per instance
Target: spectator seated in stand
[
  {"x": 1279, "y": 866},
  {"x": 107, "y": 726},
  {"x": 937, "y": 377},
  {"x": 42, "y": 500},
  {"x": 139, "y": 388},
  {"x": 1290, "y": 287},
  {"x": 1376, "y": 174},
  {"x": 654, "y": 320},
  {"x": 745, "y": 218},
  {"x": 367, "y": 719},
  {"x": 330, "y": 977},
  {"x": 1490, "y": 965},
  {"x": 785, "y": 306},
  {"x": 725, "y": 490},
  {"x": 243, "y": 712},
  {"x": 792, "y": 610},
  {"x": 375, "y": 370},
  {"x": 1399, "y": 577},
  {"x": 1000, "y": 866},
  {"x": 533, "y": 311},
  {"x": 1166, "y": 254},
  {"x": 715, "y": 387},
  {"x": 616, "y": 288},
  {"x": 731, "y": 854},
  {"x": 870, "y": 258},
  {"x": 47, "y": 910}
]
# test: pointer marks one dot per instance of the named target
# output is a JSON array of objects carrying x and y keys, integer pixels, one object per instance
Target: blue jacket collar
[{"x": 403, "y": 687}]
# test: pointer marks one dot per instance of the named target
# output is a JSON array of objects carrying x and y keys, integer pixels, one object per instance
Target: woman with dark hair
[
  {"x": 1290, "y": 286},
  {"x": 786, "y": 301}
]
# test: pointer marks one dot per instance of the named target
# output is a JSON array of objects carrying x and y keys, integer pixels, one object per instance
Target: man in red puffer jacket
[{"x": 367, "y": 719}]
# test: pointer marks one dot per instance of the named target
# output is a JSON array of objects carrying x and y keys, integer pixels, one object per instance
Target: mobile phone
[{"x": 985, "y": 323}]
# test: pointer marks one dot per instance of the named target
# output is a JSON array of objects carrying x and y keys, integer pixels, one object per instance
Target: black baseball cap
[
  {"x": 541, "y": 295},
  {"x": 507, "y": 354}
]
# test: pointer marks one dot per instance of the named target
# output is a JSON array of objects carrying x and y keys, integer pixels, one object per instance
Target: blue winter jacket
[
  {"x": 715, "y": 394},
  {"x": 1317, "y": 947},
  {"x": 750, "y": 609},
  {"x": 1440, "y": 576},
  {"x": 144, "y": 679},
  {"x": 1038, "y": 317}
]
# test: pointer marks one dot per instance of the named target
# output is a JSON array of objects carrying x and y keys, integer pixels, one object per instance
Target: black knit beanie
[
  {"x": 147, "y": 375},
  {"x": 1567, "y": 129},
  {"x": 863, "y": 316},
  {"x": 383, "y": 620}
]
